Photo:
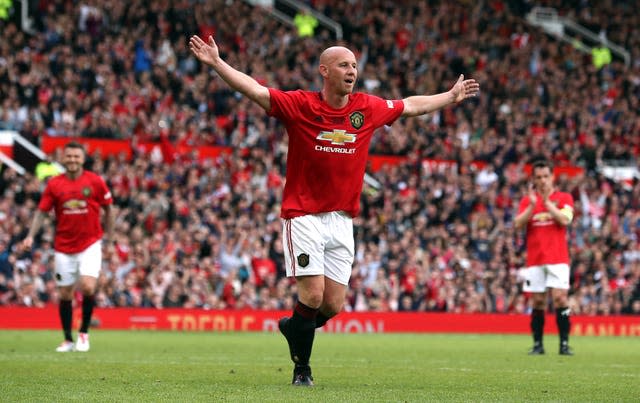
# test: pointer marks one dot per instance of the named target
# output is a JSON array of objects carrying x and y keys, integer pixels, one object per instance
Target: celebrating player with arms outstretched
[
  {"x": 76, "y": 197},
  {"x": 329, "y": 133},
  {"x": 546, "y": 213}
]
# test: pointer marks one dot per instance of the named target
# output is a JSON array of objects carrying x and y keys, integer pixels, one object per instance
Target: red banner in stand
[
  {"x": 345, "y": 322},
  {"x": 124, "y": 147},
  {"x": 105, "y": 147}
]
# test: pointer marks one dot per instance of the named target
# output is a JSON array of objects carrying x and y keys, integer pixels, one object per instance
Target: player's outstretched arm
[
  {"x": 207, "y": 52},
  {"x": 422, "y": 104}
]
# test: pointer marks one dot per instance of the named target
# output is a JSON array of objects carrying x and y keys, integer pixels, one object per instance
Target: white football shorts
[
  {"x": 319, "y": 244},
  {"x": 69, "y": 267},
  {"x": 539, "y": 278}
]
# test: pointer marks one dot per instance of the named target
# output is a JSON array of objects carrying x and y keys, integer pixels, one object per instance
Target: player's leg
[
  {"x": 338, "y": 262},
  {"x": 535, "y": 283},
  {"x": 66, "y": 276},
  {"x": 323, "y": 318},
  {"x": 89, "y": 261},
  {"x": 304, "y": 242},
  {"x": 538, "y": 302},
  {"x": 87, "y": 287},
  {"x": 332, "y": 302},
  {"x": 558, "y": 281},
  {"x": 302, "y": 326},
  {"x": 560, "y": 301}
]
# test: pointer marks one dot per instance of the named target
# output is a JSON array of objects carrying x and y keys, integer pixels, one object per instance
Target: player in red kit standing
[
  {"x": 76, "y": 197},
  {"x": 329, "y": 133},
  {"x": 546, "y": 213}
]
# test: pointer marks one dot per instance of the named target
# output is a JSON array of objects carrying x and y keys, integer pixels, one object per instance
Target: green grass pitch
[{"x": 254, "y": 367}]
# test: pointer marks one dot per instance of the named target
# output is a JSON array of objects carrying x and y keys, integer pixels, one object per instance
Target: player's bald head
[
  {"x": 339, "y": 70},
  {"x": 335, "y": 53}
]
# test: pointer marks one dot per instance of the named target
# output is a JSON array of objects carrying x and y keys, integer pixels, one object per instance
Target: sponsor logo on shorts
[{"x": 303, "y": 260}]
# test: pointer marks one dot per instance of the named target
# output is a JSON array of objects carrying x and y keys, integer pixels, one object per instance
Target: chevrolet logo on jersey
[
  {"x": 542, "y": 218},
  {"x": 74, "y": 204},
  {"x": 338, "y": 137}
]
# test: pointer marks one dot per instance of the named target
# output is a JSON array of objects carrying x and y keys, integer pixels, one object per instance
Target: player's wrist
[{"x": 453, "y": 96}]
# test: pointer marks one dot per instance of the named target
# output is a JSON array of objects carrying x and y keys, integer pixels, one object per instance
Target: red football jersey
[
  {"x": 547, "y": 241},
  {"x": 77, "y": 204},
  {"x": 328, "y": 148}
]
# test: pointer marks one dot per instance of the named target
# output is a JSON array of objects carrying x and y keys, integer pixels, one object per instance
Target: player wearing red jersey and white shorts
[
  {"x": 329, "y": 134},
  {"x": 321, "y": 194},
  {"x": 546, "y": 213},
  {"x": 76, "y": 197}
]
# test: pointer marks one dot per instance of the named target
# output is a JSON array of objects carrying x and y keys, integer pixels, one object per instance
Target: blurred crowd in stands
[{"x": 194, "y": 233}]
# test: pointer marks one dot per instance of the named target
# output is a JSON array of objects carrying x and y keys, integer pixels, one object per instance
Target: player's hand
[
  {"x": 532, "y": 195},
  {"x": 464, "y": 89},
  {"x": 546, "y": 191},
  {"x": 27, "y": 243},
  {"x": 205, "y": 52}
]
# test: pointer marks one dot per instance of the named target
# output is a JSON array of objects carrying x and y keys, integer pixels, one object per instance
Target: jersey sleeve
[
  {"x": 565, "y": 205},
  {"x": 567, "y": 201},
  {"x": 385, "y": 111},
  {"x": 284, "y": 104}
]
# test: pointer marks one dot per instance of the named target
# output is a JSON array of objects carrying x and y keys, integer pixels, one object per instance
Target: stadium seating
[{"x": 435, "y": 236}]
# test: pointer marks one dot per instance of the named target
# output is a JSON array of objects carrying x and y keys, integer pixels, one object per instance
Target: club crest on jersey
[
  {"x": 303, "y": 260},
  {"x": 357, "y": 119},
  {"x": 337, "y": 137},
  {"x": 86, "y": 191}
]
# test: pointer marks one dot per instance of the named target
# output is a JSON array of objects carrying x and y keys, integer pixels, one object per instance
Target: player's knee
[
  {"x": 331, "y": 309},
  {"x": 65, "y": 293},
  {"x": 313, "y": 300},
  {"x": 310, "y": 297},
  {"x": 88, "y": 289},
  {"x": 65, "y": 296},
  {"x": 538, "y": 303},
  {"x": 331, "y": 305},
  {"x": 311, "y": 291},
  {"x": 560, "y": 302},
  {"x": 560, "y": 298}
]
